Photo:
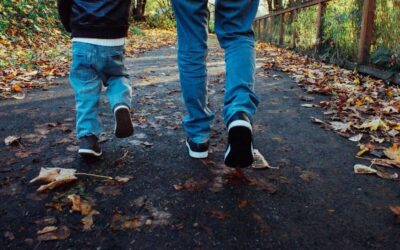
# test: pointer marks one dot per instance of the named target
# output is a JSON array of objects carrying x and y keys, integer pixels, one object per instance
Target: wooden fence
[{"x": 287, "y": 15}]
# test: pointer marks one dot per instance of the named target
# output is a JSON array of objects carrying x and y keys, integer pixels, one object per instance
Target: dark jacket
[{"x": 105, "y": 19}]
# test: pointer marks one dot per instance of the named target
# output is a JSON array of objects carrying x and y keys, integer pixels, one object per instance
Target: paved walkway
[{"x": 313, "y": 201}]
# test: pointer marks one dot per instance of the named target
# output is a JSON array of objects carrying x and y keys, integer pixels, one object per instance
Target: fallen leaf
[
  {"x": 374, "y": 124},
  {"x": 80, "y": 205},
  {"x": 362, "y": 169},
  {"x": 218, "y": 214},
  {"x": 264, "y": 228},
  {"x": 341, "y": 126},
  {"x": 55, "y": 177},
  {"x": 356, "y": 138},
  {"x": 396, "y": 211},
  {"x": 60, "y": 233},
  {"x": 123, "y": 179},
  {"x": 243, "y": 203},
  {"x": 191, "y": 185},
  {"x": 87, "y": 221},
  {"x": 47, "y": 229},
  {"x": 393, "y": 152},
  {"x": 260, "y": 161},
  {"x": 12, "y": 140}
]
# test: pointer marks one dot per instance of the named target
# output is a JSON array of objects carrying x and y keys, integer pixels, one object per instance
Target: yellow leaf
[{"x": 375, "y": 124}]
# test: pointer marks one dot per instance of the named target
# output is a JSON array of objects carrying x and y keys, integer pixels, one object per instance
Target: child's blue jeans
[
  {"x": 233, "y": 26},
  {"x": 92, "y": 67}
]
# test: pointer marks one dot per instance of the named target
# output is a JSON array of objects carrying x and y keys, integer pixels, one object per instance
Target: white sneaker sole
[
  {"x": 197, "y": 155},
  {"x": 89, "y": 152}
]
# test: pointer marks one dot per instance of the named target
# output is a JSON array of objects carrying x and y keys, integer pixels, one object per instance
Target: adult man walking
[{"x": 233, "y": 22}]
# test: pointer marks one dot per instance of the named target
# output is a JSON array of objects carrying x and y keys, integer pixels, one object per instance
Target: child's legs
[
  {"x": 233, "y": 22},
  {"x": 119, "y": 89},
  {"x": 86, "y": 84},
  {"x": 191, "y": 18}
]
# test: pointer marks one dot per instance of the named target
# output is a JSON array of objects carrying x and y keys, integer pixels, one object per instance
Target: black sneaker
[
  {"x": 239, "y": 153},
  {"x": 89, "y": 146},
  {"x": 123, "y": 122},
  {"x": 197, "y": 150}
]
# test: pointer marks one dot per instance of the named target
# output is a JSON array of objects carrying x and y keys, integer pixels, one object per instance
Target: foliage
[
  {"x": 302, "y": 23},
  {"x": 160, "y": 21}
]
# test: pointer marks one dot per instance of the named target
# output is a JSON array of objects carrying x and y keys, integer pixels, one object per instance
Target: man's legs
[
  {"x": 191, "y": 18},
  {"x": 233, "y": 22}
]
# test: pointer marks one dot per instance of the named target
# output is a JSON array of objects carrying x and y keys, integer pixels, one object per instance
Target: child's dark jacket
[{"x": 105, "y": 19}]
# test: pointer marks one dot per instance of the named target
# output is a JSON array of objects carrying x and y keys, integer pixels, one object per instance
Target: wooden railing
[{"x": 364, "y": 42}]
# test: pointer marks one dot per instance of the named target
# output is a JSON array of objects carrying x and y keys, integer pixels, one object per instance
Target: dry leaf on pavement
[
  {"x": 55, "y": 177},
  {"x": 260, "y": 161},
  {"x": 80, "y": 205},
  {"x": 12, "y": 140},
  {"x": 61, "y": 233},
  {"x": 87, "y": 221}
]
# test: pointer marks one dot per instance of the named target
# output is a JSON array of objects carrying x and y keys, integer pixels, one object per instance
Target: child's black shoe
[
  {"x": 123, "y": 121},
  {"x": 89, "y": 146}
]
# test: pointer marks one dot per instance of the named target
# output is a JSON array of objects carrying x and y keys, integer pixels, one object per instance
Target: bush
[{"x": 160, "y": 21}]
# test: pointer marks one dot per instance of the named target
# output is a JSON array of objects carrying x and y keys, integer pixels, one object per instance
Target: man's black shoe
[
  {"x": 197, "y": 150},
  {"x": 239, "y": 153},
  {"x": 89, "y": 146},
  {"x": 123, "y": 122}
]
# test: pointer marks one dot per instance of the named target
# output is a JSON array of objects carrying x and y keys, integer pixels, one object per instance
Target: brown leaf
[
  {"x": 80, "y": 205},
  {"x": 218, "y": 214},
  {"x": 55, "y": 177},
  {"x": 87, "y": 221},
  {"x": 47, "y": 229},
  {"x": 60, "y": 233},
  {"x": 393, "y": 152},
  {"x": 243, "y": 203},
  {"x": 191, "y": 185},
  {"x": 119, "y": 222},
  {"x": 396, "y": 211}
]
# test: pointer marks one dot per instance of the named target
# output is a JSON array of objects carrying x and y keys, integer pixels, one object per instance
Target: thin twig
[{"x": 95, "y": 175}]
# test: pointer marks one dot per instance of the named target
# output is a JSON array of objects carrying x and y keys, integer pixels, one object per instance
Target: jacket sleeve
[{"x": 64, "y": 10}]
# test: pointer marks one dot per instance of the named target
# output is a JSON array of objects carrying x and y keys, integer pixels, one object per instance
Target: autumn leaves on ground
[{"x": 111, "y": 197}]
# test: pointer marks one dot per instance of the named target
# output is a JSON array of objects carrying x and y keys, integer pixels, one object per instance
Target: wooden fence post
[
  {"x": 272, "y": 28},
  {"x": 367, "y": 31},
  {"x": 282, "y": 29},
  {"x": 294, "y": 33},
  {"x": 259, "y": 28},
  {"x": 265, "y": 29},
  {"x": 320, "y": 14}
]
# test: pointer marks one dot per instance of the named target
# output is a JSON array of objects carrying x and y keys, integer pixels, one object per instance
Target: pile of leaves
[
  {"x": 360, "y": 108},
  {"x": 34, "y": 49}
]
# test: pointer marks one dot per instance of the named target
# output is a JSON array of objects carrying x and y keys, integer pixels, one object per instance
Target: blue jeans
[
  {"x": 233, "y": 22},
  {"x": 92, "y": 67}
]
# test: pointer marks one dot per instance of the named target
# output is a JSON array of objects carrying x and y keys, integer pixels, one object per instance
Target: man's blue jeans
[
  {"x": 233, "y": 22},
  {"x": 92, "y": 67}
]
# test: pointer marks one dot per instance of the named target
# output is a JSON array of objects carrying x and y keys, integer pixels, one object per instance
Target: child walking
[
  {"x": 233, "y": 22},
  {"x": 98, "y": 30}
]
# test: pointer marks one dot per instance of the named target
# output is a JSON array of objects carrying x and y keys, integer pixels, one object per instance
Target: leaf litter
[{"x": 363, "y": 109}]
